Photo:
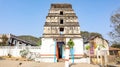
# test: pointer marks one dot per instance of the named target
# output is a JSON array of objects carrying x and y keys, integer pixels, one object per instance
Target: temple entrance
[{"x": 59, "y": 50}]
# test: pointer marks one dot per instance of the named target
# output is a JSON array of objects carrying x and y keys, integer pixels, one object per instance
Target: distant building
[
  {"x": 114, "y": 51},
  {"x": 15, "y": 41},
  {"x": 96, "y": 44}
]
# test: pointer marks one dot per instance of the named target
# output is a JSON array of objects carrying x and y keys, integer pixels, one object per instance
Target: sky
[{"x": 27, "y": 17}]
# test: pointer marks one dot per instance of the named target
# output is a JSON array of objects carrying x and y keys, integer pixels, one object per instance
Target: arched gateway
[{"x": 60, "y": 26}]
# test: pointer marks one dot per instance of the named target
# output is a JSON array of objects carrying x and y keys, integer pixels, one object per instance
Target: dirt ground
[
  {"x": 22, "y": 62},
  {"x": 14, "y": 63}
]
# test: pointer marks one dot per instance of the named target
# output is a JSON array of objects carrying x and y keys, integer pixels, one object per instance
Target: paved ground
[{"x": 13, "y": 63}]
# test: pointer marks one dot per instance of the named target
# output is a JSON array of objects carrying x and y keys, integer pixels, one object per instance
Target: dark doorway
[{"x": 59, "y": 49}]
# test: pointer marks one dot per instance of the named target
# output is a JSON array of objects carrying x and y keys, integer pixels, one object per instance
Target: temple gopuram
[{"x": 61, "y": 25}]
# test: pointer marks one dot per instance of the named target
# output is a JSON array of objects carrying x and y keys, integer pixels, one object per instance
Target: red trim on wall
[
  {"x": 46, "y": 54},
  {"x": 78, "y": 54},
  {"x": 53, "y": 55}
]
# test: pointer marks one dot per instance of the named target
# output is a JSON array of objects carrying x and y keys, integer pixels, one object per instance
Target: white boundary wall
[{"x": 15, "y": 50}]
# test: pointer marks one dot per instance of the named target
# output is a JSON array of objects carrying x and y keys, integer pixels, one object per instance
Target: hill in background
[{"x": 30, "y": 38}]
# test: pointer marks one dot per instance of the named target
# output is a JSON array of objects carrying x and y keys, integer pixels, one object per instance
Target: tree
[
  {"x": 32, "y": 39},
  {"x": 95, "y": 34},
  {"x": 4, "y": 40},
  {"x": 115, "y": 24},
  {"x": 85, "y": 35},
  {"x": 39, "y": 43}
]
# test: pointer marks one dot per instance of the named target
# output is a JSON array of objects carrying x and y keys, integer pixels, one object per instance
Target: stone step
[{"x": 61, "y": 60}]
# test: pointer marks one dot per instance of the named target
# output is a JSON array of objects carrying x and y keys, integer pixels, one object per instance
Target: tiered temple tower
[
  {"x": 61, "y": 19},
  {"x": 61, "y": 25}
]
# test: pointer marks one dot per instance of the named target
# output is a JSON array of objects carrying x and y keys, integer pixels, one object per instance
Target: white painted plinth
[{"x": 67, "y": 52}]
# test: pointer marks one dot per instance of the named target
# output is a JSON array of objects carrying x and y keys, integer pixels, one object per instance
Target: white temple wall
[
  {"x": 78, "y": 47},
  {"x": 48, "y": 46}
]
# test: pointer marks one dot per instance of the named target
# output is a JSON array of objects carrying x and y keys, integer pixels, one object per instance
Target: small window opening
[
  {"x": 61, "y": 29},
  {"x": 61, "y": 21},
  {"x": 61, "y": 12}
]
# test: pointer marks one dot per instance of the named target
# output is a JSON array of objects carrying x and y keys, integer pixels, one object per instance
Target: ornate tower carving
[{"x": 61, "y": 19}]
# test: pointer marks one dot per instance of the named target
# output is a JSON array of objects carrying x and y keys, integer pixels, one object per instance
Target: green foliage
[
  {"x": 70, "y": 43},
  {"x": 87, "y": 47},
  {"x": 24, "y": 53},
  {"x": 33, "y": 39},
  {"x": 38, "y": 43},
  {"x": 95, "y": 34},
  {"x": 86, "y": 34},
  {"x": 1, "y": 44},
  {"x": 115, "y": 45}
]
